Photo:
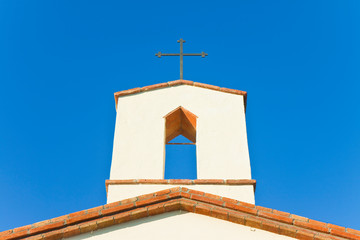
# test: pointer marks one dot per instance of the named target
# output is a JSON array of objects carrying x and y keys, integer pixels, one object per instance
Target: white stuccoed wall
[
  {"x": 180, "y": 225},
  {"x": 242, "y": 193},
  {"x": 139, "y": 141}
]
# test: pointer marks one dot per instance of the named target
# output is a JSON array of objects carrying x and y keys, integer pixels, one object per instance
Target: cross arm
[
  {"x": 203, "y": 54},
  {"x": 160, "y": 54}
]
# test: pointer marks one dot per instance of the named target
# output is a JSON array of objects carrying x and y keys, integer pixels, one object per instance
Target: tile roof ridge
[
  {"x": 177, "y": 83},
  {"x": 181, "y": 198}
]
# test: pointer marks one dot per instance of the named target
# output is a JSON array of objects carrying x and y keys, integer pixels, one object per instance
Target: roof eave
[{"x": 185, "y": 199}]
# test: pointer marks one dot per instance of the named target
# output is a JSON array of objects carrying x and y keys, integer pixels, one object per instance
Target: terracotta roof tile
[
  {"x": 177, "y": 83},
  {"x": 182, "y": 182},
  {"x": 181, "y": 198}
]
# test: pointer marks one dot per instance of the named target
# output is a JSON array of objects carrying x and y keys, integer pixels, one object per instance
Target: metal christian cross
[{"x": 181, "y": 54}]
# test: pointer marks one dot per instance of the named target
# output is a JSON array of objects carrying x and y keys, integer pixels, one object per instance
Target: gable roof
[
  {"x": 177, "y": 83},
  {"x": 185, "y": 199}
]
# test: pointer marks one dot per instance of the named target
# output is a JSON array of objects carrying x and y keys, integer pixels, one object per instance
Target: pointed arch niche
[{"x": 180, "y": 145}]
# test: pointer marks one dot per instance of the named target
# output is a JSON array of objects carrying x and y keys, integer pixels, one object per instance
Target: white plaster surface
[
  {"x": 180, "y": 225},
  {"x": 139, "y": 141},
  {"x": 120, "y": 192},
  {"x": 222, "y": 149}
]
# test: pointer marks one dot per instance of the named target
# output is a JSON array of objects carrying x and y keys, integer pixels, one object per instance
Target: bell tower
[{"x": 212, "y": 118}]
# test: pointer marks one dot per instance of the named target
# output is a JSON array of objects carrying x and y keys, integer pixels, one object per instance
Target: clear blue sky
[{"x": 61, "y": 62}]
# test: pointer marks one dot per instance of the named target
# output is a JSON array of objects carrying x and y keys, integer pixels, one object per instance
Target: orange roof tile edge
[
  {"x": 183, "y": 182},
  {"x": 176, "y": 83},
  {"x": 185, "y": 199}
]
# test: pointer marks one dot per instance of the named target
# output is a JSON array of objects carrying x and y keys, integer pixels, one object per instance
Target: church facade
[{"x": 143, "y": 204}]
